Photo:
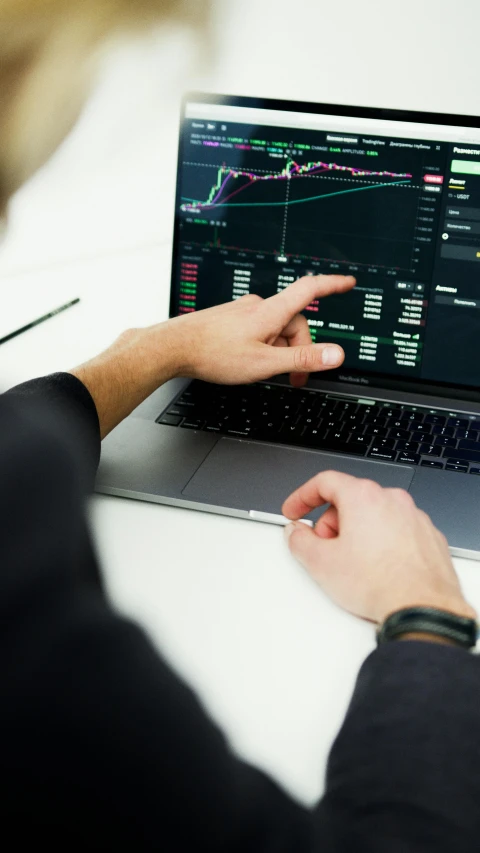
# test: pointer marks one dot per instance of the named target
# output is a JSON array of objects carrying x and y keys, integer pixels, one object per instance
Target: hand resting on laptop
[
  {"x": 238, "y": 342},
  {"x": 373, "y": 551}
]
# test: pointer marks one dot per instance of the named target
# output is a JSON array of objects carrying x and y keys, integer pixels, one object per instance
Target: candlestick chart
[{"x": 313, "y": 210}]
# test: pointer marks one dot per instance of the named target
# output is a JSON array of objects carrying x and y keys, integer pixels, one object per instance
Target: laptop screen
[{"x": 269, "y": 191}]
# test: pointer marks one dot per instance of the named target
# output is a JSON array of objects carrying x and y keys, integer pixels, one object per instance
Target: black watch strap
[{"x": 429, "y": 620}]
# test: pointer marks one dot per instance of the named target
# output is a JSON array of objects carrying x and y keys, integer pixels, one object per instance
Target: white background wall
[{"x": 106, "y": 188}]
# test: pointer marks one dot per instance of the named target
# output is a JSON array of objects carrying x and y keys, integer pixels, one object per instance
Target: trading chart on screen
[{"x": 261, "y": 204}]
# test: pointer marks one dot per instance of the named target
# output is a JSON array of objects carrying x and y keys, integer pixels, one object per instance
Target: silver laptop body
[{"x": 269, "y": 191}]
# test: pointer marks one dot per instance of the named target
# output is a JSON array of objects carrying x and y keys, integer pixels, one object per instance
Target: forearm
[{"x": 120, "y": 378}]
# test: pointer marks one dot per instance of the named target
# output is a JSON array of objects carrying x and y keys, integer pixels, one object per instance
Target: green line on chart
[{"x": 301, "y": 200}]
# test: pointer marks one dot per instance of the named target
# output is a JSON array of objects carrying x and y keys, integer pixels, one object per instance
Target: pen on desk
[{"x": 39, "y": 320}]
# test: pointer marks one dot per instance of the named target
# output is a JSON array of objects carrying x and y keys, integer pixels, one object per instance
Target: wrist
[
  {"x": 159, "y": 352},
  {"x": 136, "y": 364},
  {"x": 425, "y": 637},
  {"x": 178, "y": 340},
  {"x": 455, "y": 605}
]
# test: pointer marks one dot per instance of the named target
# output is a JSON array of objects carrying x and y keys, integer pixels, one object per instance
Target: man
[{"x": 102, "y": 746}]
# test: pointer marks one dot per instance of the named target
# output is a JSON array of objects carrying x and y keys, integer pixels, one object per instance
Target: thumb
[
  {"x": 304, "y": 544},
  {"x": 305, "y": 359}
]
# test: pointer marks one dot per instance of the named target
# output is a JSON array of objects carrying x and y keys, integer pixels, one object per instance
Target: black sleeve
[
  {"x": 404, "y": 769},
  {"x": 103, "y": 747},
  {"x": 70, "y": 404}
]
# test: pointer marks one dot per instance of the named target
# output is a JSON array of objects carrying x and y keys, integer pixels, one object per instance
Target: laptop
[{"x": 268, "y": 191}]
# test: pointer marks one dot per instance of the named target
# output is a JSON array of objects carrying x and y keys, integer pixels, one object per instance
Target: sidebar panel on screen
[{"x": 453, "y": 334}]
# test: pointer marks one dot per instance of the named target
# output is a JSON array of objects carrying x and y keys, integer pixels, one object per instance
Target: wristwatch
[{"x": 429, "y": 620}]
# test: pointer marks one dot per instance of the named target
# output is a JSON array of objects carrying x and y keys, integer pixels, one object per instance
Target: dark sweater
[{"x": 103, "y": 747}]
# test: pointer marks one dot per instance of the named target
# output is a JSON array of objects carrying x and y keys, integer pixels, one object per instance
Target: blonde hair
[{"x": 46, "y": 50}]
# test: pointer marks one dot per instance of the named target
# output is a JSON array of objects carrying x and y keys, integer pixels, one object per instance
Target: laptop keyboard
[{"x": 404, "y": 434}]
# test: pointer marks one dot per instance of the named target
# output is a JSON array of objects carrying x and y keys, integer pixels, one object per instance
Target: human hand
[
  {"x": 241, "y": 341},
  {"x": 254, "y": 338},
  {"x": 373, "y": 551}
]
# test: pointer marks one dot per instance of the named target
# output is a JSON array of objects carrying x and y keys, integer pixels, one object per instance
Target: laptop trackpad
[{"x": 247, "y": 476}]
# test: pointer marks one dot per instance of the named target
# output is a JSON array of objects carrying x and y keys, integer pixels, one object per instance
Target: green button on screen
[{"x": 465, "y": 167}]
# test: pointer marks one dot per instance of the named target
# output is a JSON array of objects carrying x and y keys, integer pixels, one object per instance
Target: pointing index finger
[{"x": 302, "y": 292}]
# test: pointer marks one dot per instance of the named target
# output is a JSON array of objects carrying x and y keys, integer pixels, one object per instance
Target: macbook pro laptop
[{"x": 268, "y": 191}]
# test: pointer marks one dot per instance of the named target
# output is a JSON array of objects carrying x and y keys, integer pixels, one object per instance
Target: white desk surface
[{"x": 272, "y": 659}]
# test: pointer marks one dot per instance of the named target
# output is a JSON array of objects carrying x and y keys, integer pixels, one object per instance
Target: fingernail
[
  {"x": 288, "y": 530},
  {"x": 331, "y": 355}
]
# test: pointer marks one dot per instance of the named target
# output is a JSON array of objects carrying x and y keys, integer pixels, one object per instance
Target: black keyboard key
[
  {"x": 336, "y": 435},
  {"x": 313, "y": 438},
  {"x": 399, "y": 433},
  {"x": 458, "y": 422},
  {"x": 351, "y": 447},
  {"x": 372, "y": 411},
  {"x": 411, "y": 446},
  {"x": 388, "y": 443},
  {"x": 346, "y": 406},
  {"x": 442, "y": 441},
  {"x": 170, "y": 420},
  {"x": 268, "y": 431},
  {"x": 316, "y": 431},
  {"x": 412, "y": 417},
  {"x": 459, "y": 457},
  {"x": 356, "y": 418},
  {"x": 337, "y": 426},
  {"x": 327, "y": 414},
  {"x": 382, "y": 453},
  {"x": 291, "y": 432},
  {"x": 462, "y": 469},
  {"x": 285, "y": 419},
  {"x": 474, "y": 425},
  {"x": 435, "y": 419},
  {"x": 338, "y": 446},
  {"x": 409, "y": 458},
  {"x": 474, "y": 470},
  {"x": 443, "y": 430},
  {"x": 191, "y": 424},
  {"x": 471, "y": 434},
  {"x": 374, "y": 420},
  {"x": 391, "y": 412},
  {"x": 396, "y": 423},
  {"x": 422, "y": 436},
  {"x": 239, "y": 433},
  {"x": 180, "y": 411},
  {"x": 310, "y": 423},
  {"x": 431, "y": 463},
  {"x": 355, "y": 438},
  {"x": 184, "y": 400},
  {"x": 378, "y": 432},
  {"x": 430, "y": 450},
  {"x": 467, "y": 444},
  {"x": 326, "y": 406}
]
